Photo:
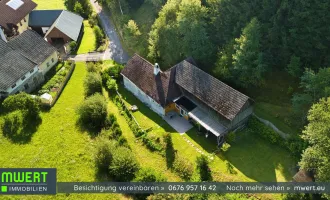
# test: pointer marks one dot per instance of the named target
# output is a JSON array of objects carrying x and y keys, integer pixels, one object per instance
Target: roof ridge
[{"x": 216, "y": 79}]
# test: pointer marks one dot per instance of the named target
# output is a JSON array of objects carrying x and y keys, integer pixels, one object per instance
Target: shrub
[
  {"x": 124, "y": 165},
  {"x": 122, "y": 141},
  {"x": 231, "y": 137},
  {"x": 264, "y": 131},
  {"x": 183, "y": 167},
  {"x": 93, "y": 20},
  {"x": 225, "y": 147},
  {"x": 116, "y": 133},
  {"x": 110, "y": 120},
  {"x": 93, "y": 112},
  {"x": 92, "y": 84},
  {"x": 112, "y": 85},
  {"x": 23, "y": 102},
  {"x": 149, "y": 175},
  {"x": 98, "y": 35},
  {"x": 230, "y": 168},
  {"x": 13, "y": 123},
  {"x": 93, "y": 67},
  {"x": 203, "y": 168},
  {"x": 112, "y": 72},
  {"x": 73, "y": 45},
  {"x": 104, "y": 156}
]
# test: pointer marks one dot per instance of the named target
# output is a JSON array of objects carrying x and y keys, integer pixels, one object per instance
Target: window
[
  {"x": 13, "y": 86},
  {"x": 24, "y": 19},
  {"x": 32, "y": 70},
  {"x": 52, "y": 60},
  {"x": 20, "y": 23},
  {"x": 23, "y": 78},
  {"x": 47, "y": 64},
  {"x": 26, "y": 86}
]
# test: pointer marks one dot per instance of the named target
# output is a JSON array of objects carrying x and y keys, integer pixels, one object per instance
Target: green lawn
[
  {"x": 58, "y": 143},
  {"x": 88, "y": 42},
  {"x": 253, "y": 158},
  {"x": 49, "y": 4}
]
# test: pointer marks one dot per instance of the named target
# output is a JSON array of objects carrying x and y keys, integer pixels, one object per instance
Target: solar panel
[{"x": 15, "y": 4}]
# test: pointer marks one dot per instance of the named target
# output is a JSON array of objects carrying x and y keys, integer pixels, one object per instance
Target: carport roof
[{"x": 207, "y": 122}]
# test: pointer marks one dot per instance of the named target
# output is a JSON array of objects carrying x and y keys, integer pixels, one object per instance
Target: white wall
[
  {"x": 25, "y": 24},
  {"x": 20, "y": 82},
  {"x": 43, "y": 66},
  {"x": 153, "y": 105}
]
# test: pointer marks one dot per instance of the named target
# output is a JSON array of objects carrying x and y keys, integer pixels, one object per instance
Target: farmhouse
[
  {"x": 195, "y": 95},
  {"x": 56, "y": 26},
  {"x": 24, "y": 62},
  {"x": 14, "y": 15}
]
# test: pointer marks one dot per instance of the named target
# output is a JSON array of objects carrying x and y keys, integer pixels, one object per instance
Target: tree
[
  {"x": 316, "y": 157},
  {"x": 157, "y": 3},
  {"x": 23, "y": 102},
  {"x": 132, "y": 33},
  {"x": 294, "y": 67},
  {"x": 82, "y": 7},
  {"x": 104, "y": 155},
  {"x": 248, "y": 60},
  {"x": 149, "y": 175},
  {"x": 13, "y": 123},
  {"x": 204, "y": 169},
  {"x": 124, "y": 165},
  {"x": 93, "y": 112},
  {"x": 112, "y": 85},
  {"x": 78, "y": 8},
  {"x": 93, "y": 84},
  {"x": 98, "y": 35}
]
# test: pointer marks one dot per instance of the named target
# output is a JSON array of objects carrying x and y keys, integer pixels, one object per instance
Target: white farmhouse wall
[
  {"x": 43, "y": 66},
  {"x": 152, "y": 104},
  {"x": 23, "y": 24},
  {"x": 32, "y": 80}
]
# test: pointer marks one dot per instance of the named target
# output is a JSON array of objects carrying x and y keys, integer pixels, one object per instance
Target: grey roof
[
  {"x": 222, "y": 98},
  {"x": 32, "y": 46},
  {"x": 68, "y": 23},
  {"x": 13, "y": 65},
  {"x": 43, "y": 18},
  {"x": 161, "y": 88}
]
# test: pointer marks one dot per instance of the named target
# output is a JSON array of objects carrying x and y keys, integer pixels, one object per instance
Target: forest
[{"x": 254, "y": 46}]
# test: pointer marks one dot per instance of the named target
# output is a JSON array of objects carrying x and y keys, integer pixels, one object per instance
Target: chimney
[
  {"x": 2, "y": 35},
  {"x": 156, "y": 69}
]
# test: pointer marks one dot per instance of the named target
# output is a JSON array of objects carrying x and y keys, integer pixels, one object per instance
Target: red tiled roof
[
  {"x": 10, "y": 17},
  {"x": 161, "y": 88}
]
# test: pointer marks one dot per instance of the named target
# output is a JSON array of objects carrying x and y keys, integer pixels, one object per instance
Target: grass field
[
  {"x": 253, "y": 158},
  {"x": 49, "y": 4},
  {"x": 58, "y": 143},
  {"x": 88, "y": 42}
]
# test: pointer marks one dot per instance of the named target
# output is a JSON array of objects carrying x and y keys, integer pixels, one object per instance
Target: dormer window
[
  {"x": 23, "y": 78},
  {"x": 13, "y": 86}
]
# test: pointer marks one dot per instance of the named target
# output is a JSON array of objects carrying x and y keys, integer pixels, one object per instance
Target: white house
[
  {"x": 192, "y": 93},
  {"x": 24, "y": 62}
]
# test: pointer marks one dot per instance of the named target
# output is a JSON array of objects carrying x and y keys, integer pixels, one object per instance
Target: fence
[
  {"x": 271, "y": 125},
  {"x": 67, "y": 78},
  {"x": 128, "y": 111}
]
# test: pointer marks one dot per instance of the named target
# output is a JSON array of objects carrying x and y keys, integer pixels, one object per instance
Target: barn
[{"x": 194, "y": 94}]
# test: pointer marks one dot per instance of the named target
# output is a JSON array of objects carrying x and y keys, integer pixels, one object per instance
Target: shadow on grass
[
  {"x": 145, "y": 110},
  {"x": 23, "y": 135},
  {"x": 253, "y": 156},
  {"x": 83, "y": 127}
]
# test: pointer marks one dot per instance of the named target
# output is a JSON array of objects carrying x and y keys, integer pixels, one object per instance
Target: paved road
[
  {"x": 97, "y": 56},
  {"x": 115, "y": 50}
]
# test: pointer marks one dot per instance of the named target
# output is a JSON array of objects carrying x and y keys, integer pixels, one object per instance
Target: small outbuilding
[{"x": 46, "y": 99}]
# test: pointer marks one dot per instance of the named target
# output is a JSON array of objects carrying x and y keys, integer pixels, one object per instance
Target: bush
[
  {"x": 122, "y": 141},
  {"x": 112, "y": 85},
  {"x": 203, "y": 168},
  {"x": 149, "y": 175},
  {"x": 93, "y": 67},
  {"x": 92, "y": 84},
  {"x": 230, "y": 168},
  {"x": 93, "y": 20},
  {"x": 255, "y": 126},
  {"x": 231, "y": 137},
  {"x": 225, "y": 147},
  {"x": 73, "y": 45},
  {"x": 98, "y": 35},
  {"x": 93, "y": 112},
  {"x": 110, "y": 120},
  {"x": 112, "y": 72},
  {"x": 104, "y": 156},
  {"x": 13, "y": 123},
  {"x": 22, "y": 102},
  {"x": 124, "y": 165},
  {"x": 183, "y": 167}
]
